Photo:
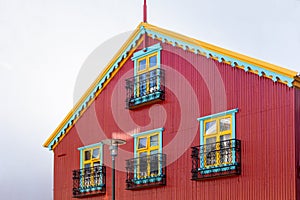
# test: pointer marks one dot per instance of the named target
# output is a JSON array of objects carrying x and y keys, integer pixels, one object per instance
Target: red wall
[
  {"x": 194, "y": 88},
  {"x": 297, "y": 134}
]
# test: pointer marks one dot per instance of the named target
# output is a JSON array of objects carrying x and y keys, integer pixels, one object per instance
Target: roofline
[
  {"x": 197, "y": 46},
  {"x": 225, "y": 52},
  {"x": 91, "y": 87}
]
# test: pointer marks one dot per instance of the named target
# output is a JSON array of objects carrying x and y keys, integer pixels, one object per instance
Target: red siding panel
[{"x": 195, "y": 87}]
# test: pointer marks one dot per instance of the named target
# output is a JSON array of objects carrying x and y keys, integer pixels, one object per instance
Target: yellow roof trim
[
  {"x": 90, "y": 89},
  {"x": 238, "y": 56},
  {"x": 136, "y": 32}
]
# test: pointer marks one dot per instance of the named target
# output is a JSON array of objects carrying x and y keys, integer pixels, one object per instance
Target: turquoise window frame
[
  {"x": 81, "y": 150},
  {"x": 156, "y": 48},
  {"x": 233, "y": 129},
  {"x": 138, "y": 135}
]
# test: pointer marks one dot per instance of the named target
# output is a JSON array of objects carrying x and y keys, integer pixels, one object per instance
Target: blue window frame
[
  {"x": 218, "y": 142},
  {"x": 91, "y": 169}
]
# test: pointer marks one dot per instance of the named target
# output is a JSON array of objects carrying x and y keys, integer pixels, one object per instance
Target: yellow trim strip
[
  {"x": 243, "y": 58},
  {"x": 238, "y": 56},
  {"x": 94, "y": 84}
]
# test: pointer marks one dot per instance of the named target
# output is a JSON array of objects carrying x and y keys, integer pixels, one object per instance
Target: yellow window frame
[
  {"x": 146, "y": 150},
  {"x": 216, "y": 135},
  {"x": 92, "y": 162},
  {"x": 147, "y": 69}
]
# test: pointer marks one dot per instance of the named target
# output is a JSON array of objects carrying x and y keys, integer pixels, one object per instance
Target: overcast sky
[{"x": 43, "y": 44}]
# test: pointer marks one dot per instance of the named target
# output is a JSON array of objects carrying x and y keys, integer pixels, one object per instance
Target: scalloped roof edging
[{"x": 276, "y": 73}]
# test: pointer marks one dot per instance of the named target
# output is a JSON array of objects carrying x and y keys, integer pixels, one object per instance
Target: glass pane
[
  {"x": 143, "y": 165},
  {"x": 225, "y": 137},
  {"x": 142, "y": 143},
  {"x": 96, "y": 153},
  {"x": 87, "y": 165},
  {"x": 142, "y": 154},
  {"x": 154, "y": 140},
  {"x": 153, "y": 81},
  {"x": 153, "y": 61},
  {"x": 210, "y": 151},
  {"x": 87, "y": 155},
  {"x": 143, "y": 84},
  {"x": 142, "y": 64},
  {"x": 210, "y": 127},
  {"x": 225, "y": 149},
  {"x": 154, "y": 161},
  {"x": 211, "y": 140},
  {"x": 225, "y": 141},
  {"x": 96, "y": 164},
  {"x": 225, "y": 124},
  {"x": 153, "y": 152}
]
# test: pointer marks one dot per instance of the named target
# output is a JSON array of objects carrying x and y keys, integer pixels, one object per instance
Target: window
[
  {"x": 147, "y": 153},
  {"x": 90, "y": 178},
  {"x": 147, "y": 80},
  {"x": 147, "y": 84},
  {"x": 217, "y": 132},
  {"x": 219, "y": 150},
  {"x": 147, "y": 168}
]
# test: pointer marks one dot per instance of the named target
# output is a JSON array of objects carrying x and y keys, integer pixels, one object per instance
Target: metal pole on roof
[{"x": 145, "y": 10}]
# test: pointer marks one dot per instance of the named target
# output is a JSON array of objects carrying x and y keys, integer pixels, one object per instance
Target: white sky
[{"x": 43, "y": 44}]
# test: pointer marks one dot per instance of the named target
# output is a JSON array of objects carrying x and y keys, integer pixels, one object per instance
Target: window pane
[
  {"x": 87, "y": 155},
  {"x": 96, "y": 153},
  {"x": 153, "y": 61},
  {"x": 211, "y": 140},
  {"x": 225, "y": 150},
  {"x": 142, "y": 64},
  {"x": 154, "y": 140},
  {"x": 225, "y": 137},
  {"x": 210, "y": 151},
  {"x": 87, "y": 165},
  {"x": 96, "y": 164},
  {"x": 210, "y": 127},
  {"x": 153, "y": 152},
  {"x": 143, "y": 165},
  {"x": 142, "y": 143},
  {"x": 143, "y": 84},
  {"x": 154, "y": 161},
  {"x": 225, "y": 124}
]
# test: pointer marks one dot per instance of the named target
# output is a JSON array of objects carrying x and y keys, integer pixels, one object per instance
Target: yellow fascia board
[
  {"x": 90, "y": 89},
  {"x": 225, "y": 52}
]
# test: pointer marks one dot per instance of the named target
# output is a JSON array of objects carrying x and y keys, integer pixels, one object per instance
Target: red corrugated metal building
[{"x": 200, "y": 122}]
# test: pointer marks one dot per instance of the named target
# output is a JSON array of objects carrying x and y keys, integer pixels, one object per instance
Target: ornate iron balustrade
[
  {"x": 145, "y": 88},
  {"x": 146, "y": 171},
  {"x": 216, "y": 159},
  {"x": 89, "y": 181}
]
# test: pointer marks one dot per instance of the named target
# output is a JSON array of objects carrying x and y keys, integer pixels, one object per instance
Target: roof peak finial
[{"x": 145, "y": 11}]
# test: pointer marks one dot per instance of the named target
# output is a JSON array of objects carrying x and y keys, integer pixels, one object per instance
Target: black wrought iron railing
[
  {"x": 89, "y": 181},
  {"x": 216, "y": 159},
  {"x": 146, "y": 171},
  {"x": 145, "y": 88}
]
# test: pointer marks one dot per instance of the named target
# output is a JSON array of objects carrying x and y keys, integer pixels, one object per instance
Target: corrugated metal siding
[
  {"x": 264, "y": 125},
  {"x": 297, "y": 136}
]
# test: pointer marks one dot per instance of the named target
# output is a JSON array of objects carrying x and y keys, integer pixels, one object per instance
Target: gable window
[
  {"x": 219, "y": 150},
  {"x": 147, "y": 168},
  {"x": 90, "y": 178},
  {"x": 147, "y": 85}
]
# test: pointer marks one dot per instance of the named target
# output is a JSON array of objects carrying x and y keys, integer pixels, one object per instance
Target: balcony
[
  {"x": 145, "y": 88},
  {"x": 216, "y": 160},
  {"x": 89, "y": 181},
  {"x": 146, "y": 171}
]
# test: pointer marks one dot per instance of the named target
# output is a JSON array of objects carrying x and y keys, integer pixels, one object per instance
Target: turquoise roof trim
[
  {"x": 98, "y": 86},
  {"x": 184, "y": 46},
  {"x": 221, "y": 58}
]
